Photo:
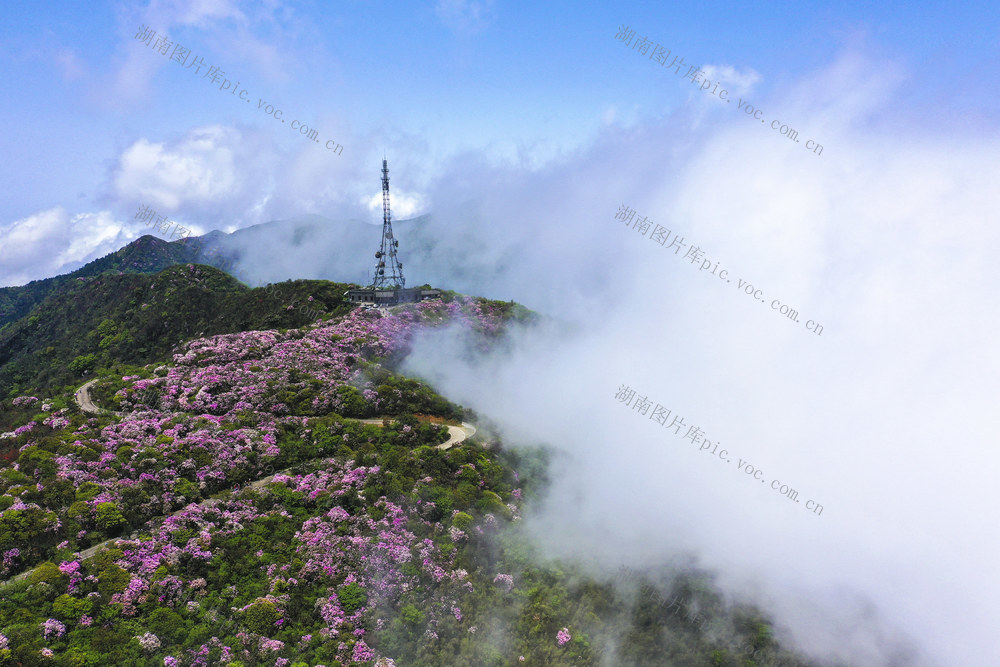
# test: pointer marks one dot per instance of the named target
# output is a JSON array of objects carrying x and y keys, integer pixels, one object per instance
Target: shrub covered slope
[{"x": 235, "y": 511}]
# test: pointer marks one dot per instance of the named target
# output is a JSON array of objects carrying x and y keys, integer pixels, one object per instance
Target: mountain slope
[
  {"x": 134, "y": 318},
  {"x": 375, "y": 546},
  {"x": 147, "y": 254}
]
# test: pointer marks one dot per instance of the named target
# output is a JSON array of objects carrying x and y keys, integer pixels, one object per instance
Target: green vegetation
[{"x": 111, "y": 322}]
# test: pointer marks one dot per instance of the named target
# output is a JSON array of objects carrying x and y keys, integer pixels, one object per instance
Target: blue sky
[
  {"x": 521, "y": 83},
  {"x": 522, "y": 128}
]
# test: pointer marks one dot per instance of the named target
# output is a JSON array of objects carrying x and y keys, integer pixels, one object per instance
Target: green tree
[
  {"x": 109, "y": 517},
  {"x": 48, "y": 573},
  {"x": 261, "y": 617},
  {"x": 491, "y": 503},
  {"x": 33, "y": 459},
  {"x": 187, "y": 488},
  {"x": 30, "y": 529},
  {"x": 352, "y": 597},
  {"x": 112, "y": 580},
  {"x": 354, "y": 404},
  {"x": 80, "y": 656},
  {"x": 69, "y": 608},
  {"x": 105, "y": 559},
  {"x": 87, "y": 491},
  {"x": 107, "y": 328},
  {"x": 25, "y": 642},
  {"x": 167, "y": 625},
  {"x": 462, "y": 521},
  {"x": 411, "y": 615},
  {"x": 83, "y": 364}
]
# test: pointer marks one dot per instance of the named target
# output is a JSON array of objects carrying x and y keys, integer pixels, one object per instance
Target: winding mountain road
[
  {"x": 82, "y": 397},
  {"x": 456, "y": 435},
  {"x": 86, "y": 403}
]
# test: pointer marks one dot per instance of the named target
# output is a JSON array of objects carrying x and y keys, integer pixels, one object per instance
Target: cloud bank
[{"x": 885, "y": 418}]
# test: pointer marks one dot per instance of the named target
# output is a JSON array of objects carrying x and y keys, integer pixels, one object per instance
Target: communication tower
[
  {"x": 385, "y": 256},
  {"x": 388, "y": 288}
]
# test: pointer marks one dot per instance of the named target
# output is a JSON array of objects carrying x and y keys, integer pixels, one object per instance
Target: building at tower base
[
  {"x": 388, "y": 290},
  {"x": 391, "y": 297}
]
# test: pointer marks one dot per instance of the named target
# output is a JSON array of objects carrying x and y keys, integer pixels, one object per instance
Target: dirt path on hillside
[
  {"x": 456, "y": 435},
  {"x": 83, "y": 398}
]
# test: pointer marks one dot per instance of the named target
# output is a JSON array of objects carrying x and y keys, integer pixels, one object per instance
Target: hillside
[
  {"x": 309, "y": 246},
  {"x": 256, "y": 520},
  {"x": 135, "y": 318},
  {"x": 147, "y": 254}
]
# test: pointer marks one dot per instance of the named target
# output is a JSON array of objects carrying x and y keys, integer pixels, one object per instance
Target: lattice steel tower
[{"x": 386, "y": 255}]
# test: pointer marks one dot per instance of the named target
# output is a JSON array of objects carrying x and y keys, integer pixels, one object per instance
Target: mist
[{"x": 883, "y": 418}]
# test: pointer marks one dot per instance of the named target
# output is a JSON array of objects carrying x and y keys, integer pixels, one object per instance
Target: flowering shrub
[
  {"x": 505, "y": 581},
  {"x": 53, "y": 628},
  {"x": 149, "y": 641}
]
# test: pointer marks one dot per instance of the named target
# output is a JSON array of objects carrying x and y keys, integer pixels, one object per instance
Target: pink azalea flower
[{"x": 53, "y": 627}]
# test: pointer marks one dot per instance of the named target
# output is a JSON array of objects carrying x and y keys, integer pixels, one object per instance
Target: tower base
[{"x": 390, "y": 297}]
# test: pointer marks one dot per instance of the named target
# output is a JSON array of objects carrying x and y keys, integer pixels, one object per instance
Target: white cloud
[
  {"x": 220, "y": 177},
  {"x": 198, "y": 171},
  {"x": 403, "y": 205},
  {"x": 888, "y": 239},
  {"x": 465, "y": 16},
  {"x": 265, "y": 38},
  {"x": 198, "y": 13},
  {"x": 737, "y": 82},
  {"x": 70, "y": 65},
  {"x": 27, "y": 245}
]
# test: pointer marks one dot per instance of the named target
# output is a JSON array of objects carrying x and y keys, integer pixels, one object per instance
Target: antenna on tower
[{"x": 385, "y": 257}]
